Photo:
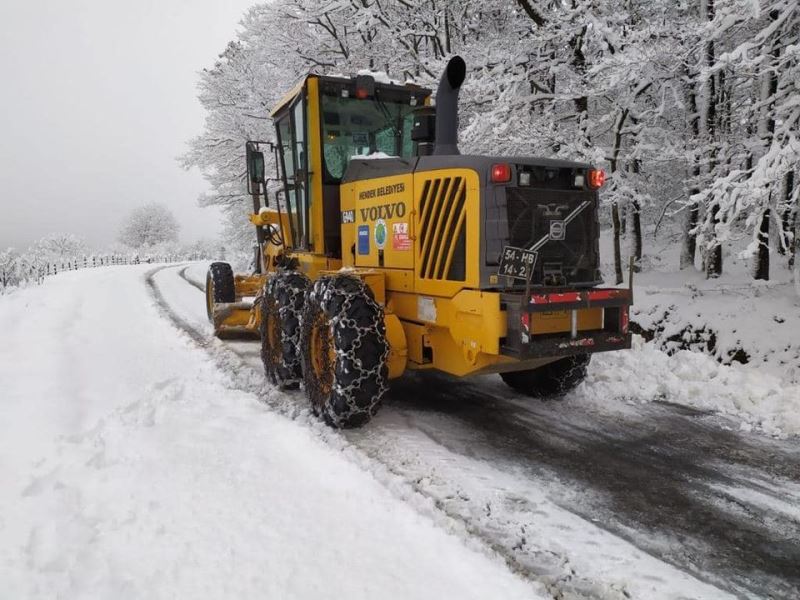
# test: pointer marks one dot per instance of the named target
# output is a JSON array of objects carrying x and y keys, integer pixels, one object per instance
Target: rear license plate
[{"x": 517, "y": 263}]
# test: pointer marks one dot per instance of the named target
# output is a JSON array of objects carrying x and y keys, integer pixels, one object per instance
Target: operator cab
[{"x": 321, "y": 125}]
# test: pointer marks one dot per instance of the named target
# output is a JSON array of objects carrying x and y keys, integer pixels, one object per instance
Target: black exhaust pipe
[{"x": 447, "y": 106}]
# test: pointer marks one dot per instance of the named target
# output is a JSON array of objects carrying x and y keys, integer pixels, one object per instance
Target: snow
[
  {"x": 373, "y": 156},
  {"x": 685, "y": 309},
  {"x": 646, "y": 374},
  {"x": 137, "y": 467},
  {"x": 130, "y": 468},
  {"x": 379, "y": 77}
]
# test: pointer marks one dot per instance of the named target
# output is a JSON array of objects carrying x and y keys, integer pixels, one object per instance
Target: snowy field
[{"x": 143, "y": 459}]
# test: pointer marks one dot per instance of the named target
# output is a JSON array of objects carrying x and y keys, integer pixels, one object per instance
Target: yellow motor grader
[{"x": 385, "y": 249}]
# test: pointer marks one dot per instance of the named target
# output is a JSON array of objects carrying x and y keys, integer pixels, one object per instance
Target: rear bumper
[{"x": 523, "y": 342}]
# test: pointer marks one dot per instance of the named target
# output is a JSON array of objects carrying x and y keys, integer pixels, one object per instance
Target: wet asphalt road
[{"x": 727, "y": 502}]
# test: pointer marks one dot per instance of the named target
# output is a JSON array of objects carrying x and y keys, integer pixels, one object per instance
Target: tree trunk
[
  {"x": 791, "y": 219},
  {"x": 614, "y": 206},
  {"x": 769, "y": 87},
  {"x": 795, "y": 257},
  {"x": 637, "y": 236},
  {"x": 785, "y": 239},
  {"x": 617, "y": 252},
  {"x": 714, "y": 258},
  {"x": 689, "y": 250},
  {"x": 761, "y": 270}
]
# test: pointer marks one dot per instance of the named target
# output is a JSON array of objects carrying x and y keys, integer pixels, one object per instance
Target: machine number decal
[
  {"x": 363, "y": 239},
  {"x": 348, "y": 216},
  {"x": 380, "y": 234},
  {"x": 517, "y": 262},
  {"x": 401, "y": 241}
]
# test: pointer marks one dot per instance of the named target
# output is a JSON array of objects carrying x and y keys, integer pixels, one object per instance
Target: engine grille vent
[{"x": 441, "y": 223}]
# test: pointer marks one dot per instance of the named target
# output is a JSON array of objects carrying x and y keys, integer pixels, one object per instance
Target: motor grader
[{"x": 384, "y": 249}]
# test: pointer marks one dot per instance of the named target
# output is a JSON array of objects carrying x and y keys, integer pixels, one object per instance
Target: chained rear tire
[
  {"x": 220, "y": 286},
  {"x": 344, "y": 351},
  {"x": 551, "y": 380},
  {"x": 281, "y": 308}
]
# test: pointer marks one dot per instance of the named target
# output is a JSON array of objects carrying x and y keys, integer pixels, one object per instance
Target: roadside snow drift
[{"x": 130, "y": 469}]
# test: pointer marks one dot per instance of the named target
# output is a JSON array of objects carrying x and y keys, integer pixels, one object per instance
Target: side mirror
[{"x": 255, "y": 166}]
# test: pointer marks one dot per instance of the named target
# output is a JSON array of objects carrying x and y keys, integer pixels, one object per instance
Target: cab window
[
  {"x": 291, "y": 130},
  {"x": 353, "y": 127}
]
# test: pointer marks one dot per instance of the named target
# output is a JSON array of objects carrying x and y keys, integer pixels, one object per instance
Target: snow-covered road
[
  {"x": 135, "y": 461},
  {"x": 131, "y": 467}
]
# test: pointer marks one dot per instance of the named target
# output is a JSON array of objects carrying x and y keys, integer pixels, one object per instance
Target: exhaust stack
[{"x": 447, "y": 107}]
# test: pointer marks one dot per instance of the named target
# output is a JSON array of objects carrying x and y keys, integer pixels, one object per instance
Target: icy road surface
[{"x": 136, "y": 461}]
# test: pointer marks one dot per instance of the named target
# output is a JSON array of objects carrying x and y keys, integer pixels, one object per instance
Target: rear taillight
[
  {"x": 501, "y": 173},
  {"x": 595, "y": 178}
]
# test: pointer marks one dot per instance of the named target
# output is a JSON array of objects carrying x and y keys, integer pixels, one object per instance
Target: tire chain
[
  {"x": 288, "y": 288},
  {"x": 338, "y": 296}
]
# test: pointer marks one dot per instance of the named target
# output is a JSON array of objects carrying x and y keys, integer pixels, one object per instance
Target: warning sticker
[{"x": 400, "y": 237}]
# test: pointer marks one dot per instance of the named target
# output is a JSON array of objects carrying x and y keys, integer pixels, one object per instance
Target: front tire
[
  {"x": 553, "y": 379},
  {"x": 344, "y": 351},
  {"x": 281, "y": 308},
  {"x": 220, "y": 287}
]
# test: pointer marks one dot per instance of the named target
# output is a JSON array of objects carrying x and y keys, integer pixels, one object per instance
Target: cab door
[{"x": 293, "y": 143}]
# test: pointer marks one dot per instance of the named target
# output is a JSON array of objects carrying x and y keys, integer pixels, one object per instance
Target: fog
[{"x": 97, "y": 98}]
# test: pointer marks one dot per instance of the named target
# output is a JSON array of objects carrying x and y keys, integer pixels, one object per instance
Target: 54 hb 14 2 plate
[{"x": 517, "y": 262}]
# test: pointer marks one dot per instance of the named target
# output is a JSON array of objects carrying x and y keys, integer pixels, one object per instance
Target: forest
[{"x": 691, "y": 106}]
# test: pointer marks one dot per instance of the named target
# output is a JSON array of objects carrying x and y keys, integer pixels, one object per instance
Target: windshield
[{"x": 352, "y": 127}]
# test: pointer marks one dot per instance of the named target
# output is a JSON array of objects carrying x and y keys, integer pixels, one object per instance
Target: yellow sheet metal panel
[
  {"x": 400, "y": 280},
  {"x": 313, "y": 264},
  {"x": 383, "y": 221},
  {"x": 470, "y": 324},
  {"x": 447, "y": 226},
  {"x": 398, "y": 348}
]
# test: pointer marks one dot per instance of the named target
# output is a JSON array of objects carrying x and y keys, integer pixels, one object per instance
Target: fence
[{"x": 20, "y": 271}]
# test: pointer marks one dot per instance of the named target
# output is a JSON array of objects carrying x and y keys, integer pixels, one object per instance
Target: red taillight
[
  {"x": 501, "y": 173},
  {"x": 596, "y": 178},
  {"x": 362, "y": 93}
]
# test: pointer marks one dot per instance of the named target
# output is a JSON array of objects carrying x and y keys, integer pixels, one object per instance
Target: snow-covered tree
[
  {"x": 9, "y": 262},
  {"x": 149, "y": 225},
  {"x": 59, "y": 247},
  {"x": 690, "y": 105}
]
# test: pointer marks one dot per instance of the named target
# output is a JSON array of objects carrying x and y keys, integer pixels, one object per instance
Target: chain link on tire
[
  {"x": 346, "y": 383},
  {"x": 552, "y": 380},
  {"x": 282, "y": 303}
]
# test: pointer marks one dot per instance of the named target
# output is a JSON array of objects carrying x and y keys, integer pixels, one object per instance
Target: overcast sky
[{"x": 97, "y": 98}]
